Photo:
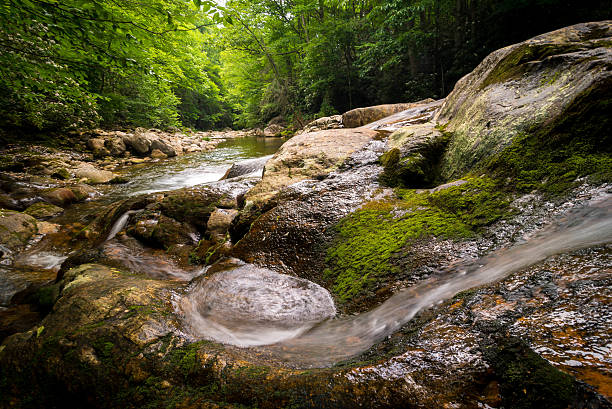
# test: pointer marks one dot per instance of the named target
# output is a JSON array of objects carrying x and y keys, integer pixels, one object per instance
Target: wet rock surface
[
  {"x": 308, "y": 156},
  {"x": 118, "y": 330},
  {"x": 363, "y": 116}
]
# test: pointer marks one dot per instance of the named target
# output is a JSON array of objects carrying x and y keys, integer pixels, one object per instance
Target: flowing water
[
  {"x": 334, "y": 340},
  {"x": 287, "y": 318},
  {"x": 43, "y": 258}
]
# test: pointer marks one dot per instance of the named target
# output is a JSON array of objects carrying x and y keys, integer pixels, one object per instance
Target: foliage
[
  {"x": 305, "y": 58},
  {"x": 75, "y": 63},
  {"x": 79, "y": 63}
]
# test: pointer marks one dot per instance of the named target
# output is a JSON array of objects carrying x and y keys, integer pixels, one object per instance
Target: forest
[{"x": 79, "y": 64}]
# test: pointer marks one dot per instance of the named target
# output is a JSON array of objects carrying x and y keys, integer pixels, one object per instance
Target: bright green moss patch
[
  {"x": 369, "y": 241},
  {"x": 530, "y": 164}
]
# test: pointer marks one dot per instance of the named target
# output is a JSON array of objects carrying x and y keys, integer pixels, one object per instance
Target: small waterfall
[
  {"x": 335, "y": 340},
  {"x": 121, "y": 223}
]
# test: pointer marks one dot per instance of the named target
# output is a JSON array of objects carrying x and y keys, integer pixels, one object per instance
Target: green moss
[
  {"x": 417, "y": 169},
  {"x": 516, "y": 63},
  {"x": 370, "y": 240},
  {"x": 526, "y": 379},
  {"x": 411, "y": 171},
  {"x": 533, "y": 167}
]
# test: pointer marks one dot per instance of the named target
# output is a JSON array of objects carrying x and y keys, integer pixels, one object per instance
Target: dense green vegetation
[{"x": 78, "y": 64}]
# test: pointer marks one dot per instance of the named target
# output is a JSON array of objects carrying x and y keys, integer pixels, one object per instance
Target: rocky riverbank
[{"x": 409, "y": 202}]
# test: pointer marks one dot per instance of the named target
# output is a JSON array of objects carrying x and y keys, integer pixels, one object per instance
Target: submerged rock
[
  {"x": 62, "y": 196},
  {"x": 43, "y": 211}
]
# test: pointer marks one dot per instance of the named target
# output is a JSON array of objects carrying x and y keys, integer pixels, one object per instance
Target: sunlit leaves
[{"x": 135, "y": 54}]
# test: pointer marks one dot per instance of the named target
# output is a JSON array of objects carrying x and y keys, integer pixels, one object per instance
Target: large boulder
[
  {"x": 308, "y": 156},
  {"x": 321, "y": 124},
  {"x": 157, "y": 230},
  {"x": 413, "y": 156},
  {"x": 246, "y": 167},
  {"x": 537, "y": 86},
  {"x": 116, "y": 146},
  {"x": 362, "y": 116},
  {"x": 138, "y": 142},
  {"x": 96, "y": 145},
  {"x": 418, "y": 113}
]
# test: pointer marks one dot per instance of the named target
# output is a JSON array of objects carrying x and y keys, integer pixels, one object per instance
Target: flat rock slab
[{"x": 308, "y": 156}]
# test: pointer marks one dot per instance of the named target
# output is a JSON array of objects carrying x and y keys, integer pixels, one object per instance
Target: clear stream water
[{"x": 42, "y": 260}]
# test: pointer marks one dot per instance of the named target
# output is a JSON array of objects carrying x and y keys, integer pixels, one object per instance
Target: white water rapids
[{"x": 212, "y": 316}]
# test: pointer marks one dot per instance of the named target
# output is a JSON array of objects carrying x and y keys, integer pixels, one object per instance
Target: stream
[
  {"x": 288, "y": 318},
  {"x": 40, "y": 261}
]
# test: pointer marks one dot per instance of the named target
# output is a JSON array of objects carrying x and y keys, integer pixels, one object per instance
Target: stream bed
[{"x": 41, "y": 260}]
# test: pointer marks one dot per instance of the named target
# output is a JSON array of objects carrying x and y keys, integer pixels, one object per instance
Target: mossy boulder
[
  {"x": 43, "y": 211},
  {"x": 16, "y": 229},
  {"x": 83, "y": 192},
  {"x": 61, "y": 173},
  {"x": 155, "y": 229},
  {"x": 413, "y": 157},
  {"x": 194, "y": 205},
  {"x": 530, "y": 87}
]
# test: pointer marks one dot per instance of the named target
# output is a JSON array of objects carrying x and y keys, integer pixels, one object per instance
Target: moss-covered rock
[
  {"x": 526, "y": 379},
  {"x": 43, "y": 211},
  {"x": 529, "y": 87},
  {"x": 155, "y": 229},
  {"x": 412, "y": 160},
  {"x": 368, "y": 251},
  {"x": 16, "y": 229}
]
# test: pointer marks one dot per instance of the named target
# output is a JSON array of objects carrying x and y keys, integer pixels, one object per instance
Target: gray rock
[
  {"x": 526, "y": 87},
  {"x": 219, "y": 223},
  {"x": 16, "y": 229},
  {"x": 93, "y": 174},
  {"x": 363, "y": 116},
  {"x": 163, "y": 146},
  {"x": 273, "y": 130},
  {"x": 139, "y": 143},
  {"x": 116, "y": 146}
]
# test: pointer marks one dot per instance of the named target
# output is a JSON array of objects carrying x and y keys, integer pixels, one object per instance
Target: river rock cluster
[{"x": 393, "y": 198}]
